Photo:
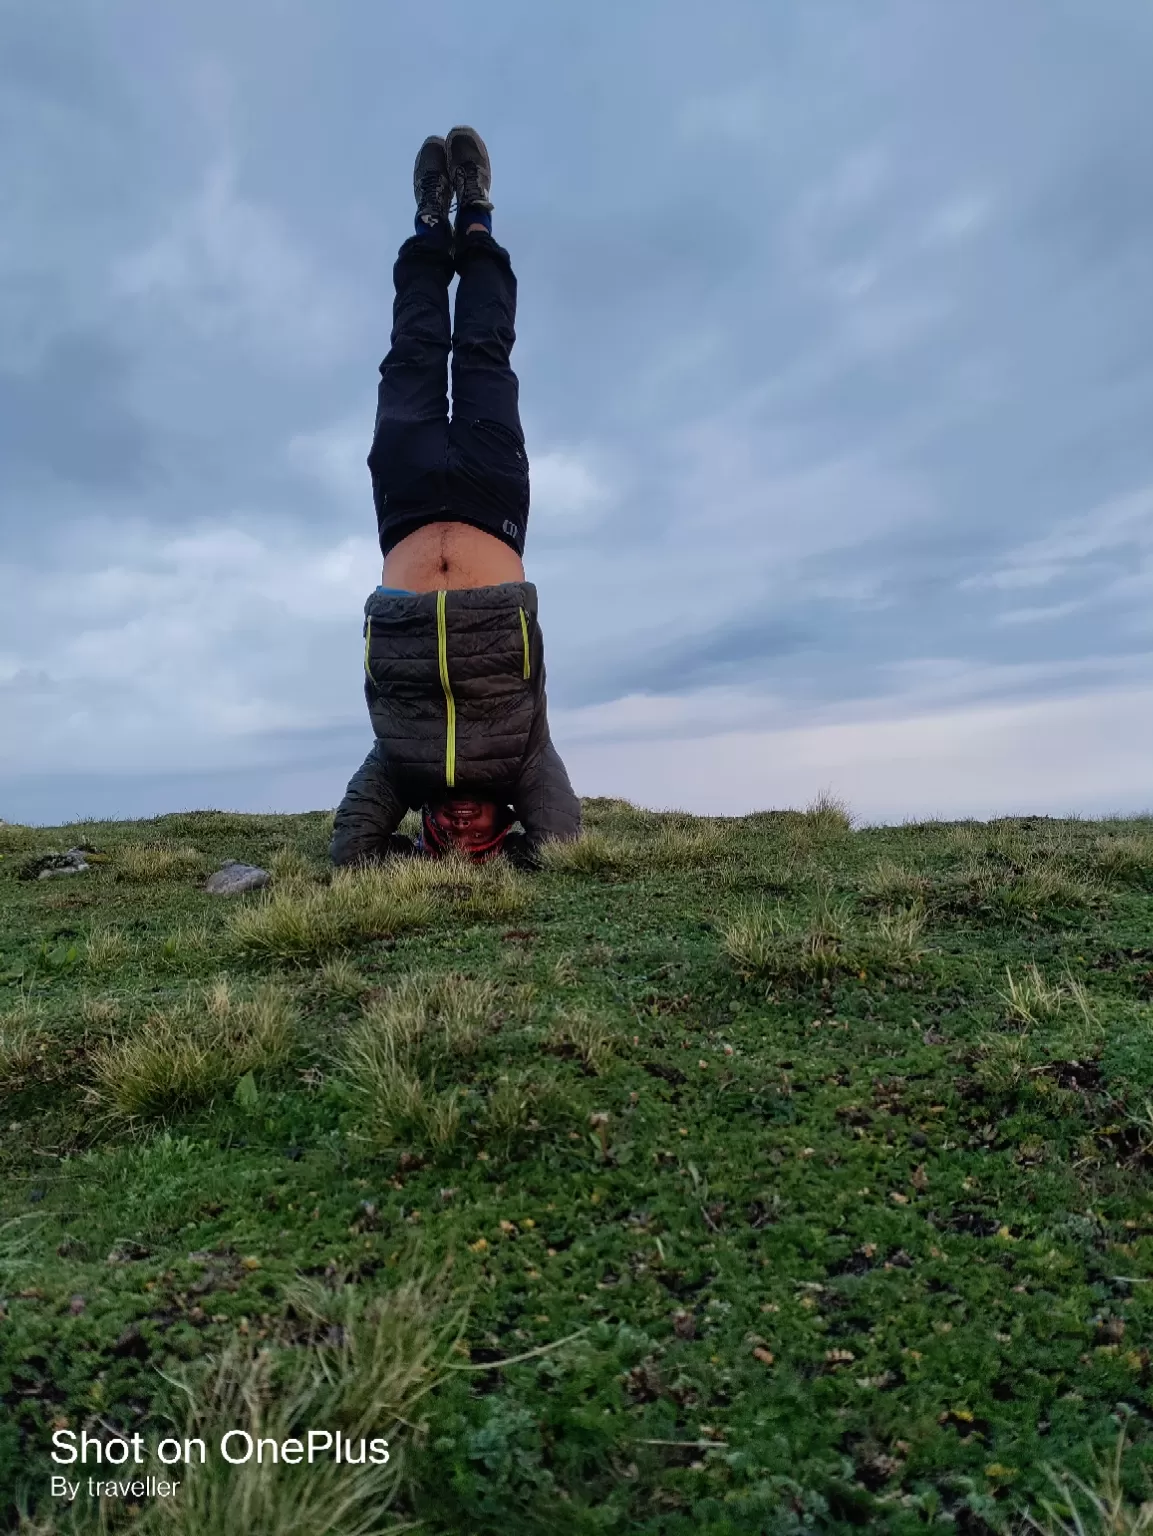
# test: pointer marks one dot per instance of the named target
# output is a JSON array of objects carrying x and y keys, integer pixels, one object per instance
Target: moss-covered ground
[{"x": 808, "y": 1166}]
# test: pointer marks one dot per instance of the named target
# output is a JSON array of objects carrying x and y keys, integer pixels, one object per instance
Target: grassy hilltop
[{"x": 752, "y": 1175}]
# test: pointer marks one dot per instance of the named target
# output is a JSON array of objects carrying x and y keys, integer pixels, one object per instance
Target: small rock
[
  {"x": 233, "y": 879},
  {"x": 50, "y": 866},
  {"x": 77, "y": 1305}
]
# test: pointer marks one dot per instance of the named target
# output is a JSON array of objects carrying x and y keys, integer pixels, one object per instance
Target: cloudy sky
[{"x": 836, "y": 359}]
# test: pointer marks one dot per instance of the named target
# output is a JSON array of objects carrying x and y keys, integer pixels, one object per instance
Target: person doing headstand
[{"x": 453, "y": 655}]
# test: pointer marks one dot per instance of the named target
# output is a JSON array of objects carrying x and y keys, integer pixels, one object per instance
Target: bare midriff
[{"x": 442, "y": 556}]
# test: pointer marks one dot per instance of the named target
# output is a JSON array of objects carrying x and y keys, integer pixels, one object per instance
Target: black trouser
[{"x": 472, "y": 468}]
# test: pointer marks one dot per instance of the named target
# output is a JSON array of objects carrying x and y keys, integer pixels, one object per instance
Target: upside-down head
[{"x": 476, "y": 828}]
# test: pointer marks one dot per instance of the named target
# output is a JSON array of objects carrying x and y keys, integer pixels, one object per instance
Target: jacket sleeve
[
  {"x": 368, "y": 816},
  {"x": 544, "y": 800}
]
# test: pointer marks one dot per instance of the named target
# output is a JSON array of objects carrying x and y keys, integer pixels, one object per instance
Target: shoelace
[
  {"x": 469, "y": 186},
  {"x": 432, "y": 190}
]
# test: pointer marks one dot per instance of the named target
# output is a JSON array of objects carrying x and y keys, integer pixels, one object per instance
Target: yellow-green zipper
[
  {"x": 524, "y": 633},
  {"x": 450, "y": 702},
  {"x": 367, "y": 648}
]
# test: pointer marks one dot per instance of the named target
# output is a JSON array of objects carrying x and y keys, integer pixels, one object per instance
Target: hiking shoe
[
  {"x": 469, "y": 168},
  {"x": 431, "y": 182}
]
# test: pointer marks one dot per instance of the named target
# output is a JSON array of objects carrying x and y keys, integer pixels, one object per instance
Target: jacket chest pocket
[{"x": 405, "y": 671}]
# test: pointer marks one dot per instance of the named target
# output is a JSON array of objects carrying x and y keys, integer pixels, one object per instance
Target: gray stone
[
  {"x": 56, "y": 864},
  {"x": 233, "y": 879}
]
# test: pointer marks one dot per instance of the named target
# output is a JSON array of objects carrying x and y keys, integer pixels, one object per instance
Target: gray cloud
[
  {"x": 730, "y": 653},
  {"x": 827, "y": 320},
  {"x": 68, "y": 417}
]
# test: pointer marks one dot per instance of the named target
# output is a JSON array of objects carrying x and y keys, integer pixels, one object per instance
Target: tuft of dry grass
[
  {"x": 823, "y": 943},
  {"x": 524, "y": 1103},
  {"x": 822, "y": 949},
  {"x": 635, "y": 841},
  {"x": 1029, "y": 999},
  {"x": 690, "y": 844},
  {"x": 340, "y": 978},
  {"x": 364, "y": 1365},
  {"x": 892, "y": 941},
  {"x": 1101, "y": 1510},
  {"x": 520, "y": 1002},
  {"x": 397, "y": 1101},
  {"x": 753, "y": 939},
  {"x": 1007, "y": 842},
  {"x": 1123, "y": 858},
  {"x": 964, "y": 838},
  {"x": 436, "y": 1017},
  {"x": 144, "y": 862},
  {"x": 1033, "y": 1000},
  {"x": 107, "y": 948},
  {"x": 769, "y": 944},
  {"x": 394, "y": 1060},
  {"x": 564, "y": 972},
  {"x": 100, "y": 1013},
  {"x": 592, "y": 853},
  {"x": 894, "y": 884},
  {"x": 187, "y": 1054},
  {"x": 298, "y": 920},
  {"x": 1064, "y": 1012},
  {"x": 829, "y": 815},
  {"x": 618, "y": 818},
  {"x": 391, "y": 1058},
  {"x": 1031, "y": 886},
  {"x": 289, "y": 865},
  {"x": 16, "y": 838},
  {"x": 23, "y": 1042},
  {"x": 294, "y": 921},
  {"x": 1046, "y": 887},
  {"x": 1002, "y": 1063},
  {"x": 579, "y": 1033},
  {"x": 293, "y": 924},
  {"x": 491, "y": 892}
]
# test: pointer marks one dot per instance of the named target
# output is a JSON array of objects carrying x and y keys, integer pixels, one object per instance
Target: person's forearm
[
  {"x": 545, "y": 801},
  {"x": 368, "y": 815}
]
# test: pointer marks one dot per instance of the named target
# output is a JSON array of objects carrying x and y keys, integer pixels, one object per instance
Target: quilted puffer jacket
[{"x": 455, "y": 689}]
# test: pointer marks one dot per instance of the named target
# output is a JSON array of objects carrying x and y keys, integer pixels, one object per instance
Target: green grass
[
  {"x": 758, "y": 1175},
  {"x": 184, "y": 1055}
]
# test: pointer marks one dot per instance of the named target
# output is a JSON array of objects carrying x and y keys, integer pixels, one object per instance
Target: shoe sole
[{"x": 486, "y": 163}]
